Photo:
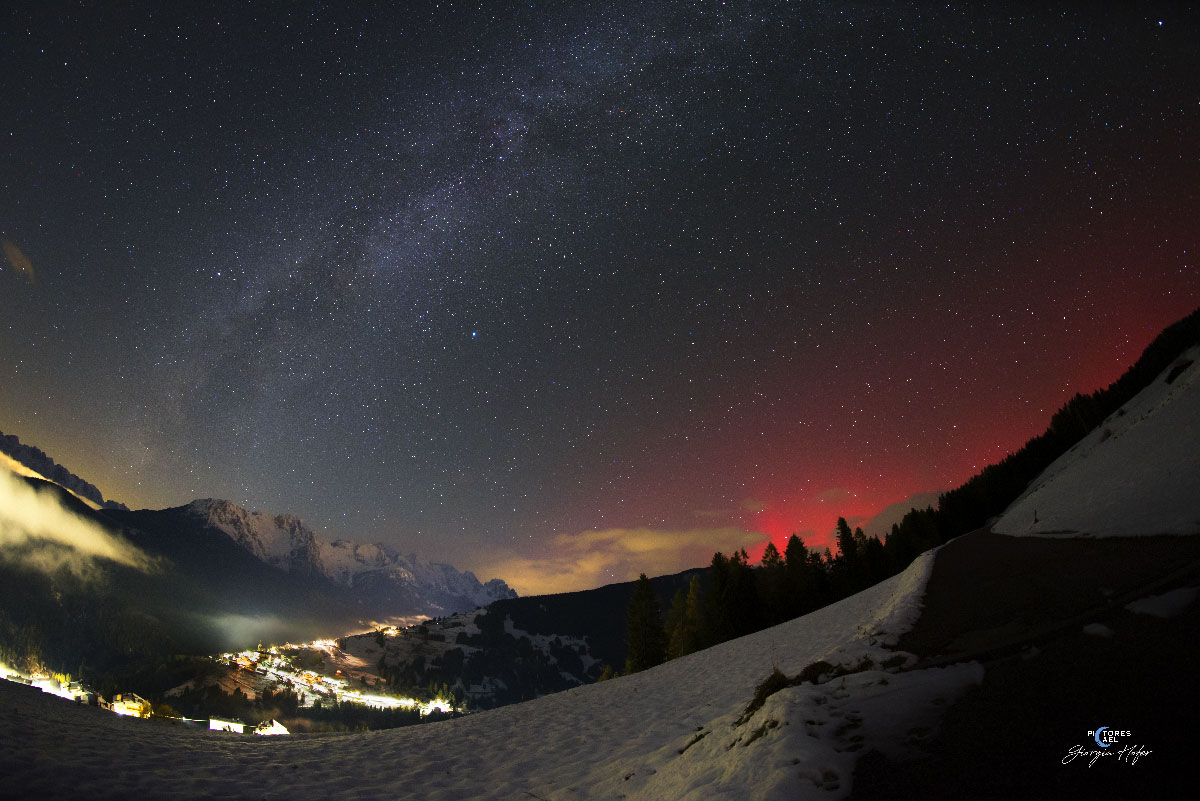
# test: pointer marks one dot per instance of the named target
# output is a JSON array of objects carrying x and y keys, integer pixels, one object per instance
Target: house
[
  {"x": 131, "y": 704},
  {"x": 270, "y": 727},
  {"x": 224, "y": 724},
  {"x": 49, "y": 685},
  {"x": 80, "y": 694}
]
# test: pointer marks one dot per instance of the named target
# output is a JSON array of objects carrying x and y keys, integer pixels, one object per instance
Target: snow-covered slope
[
  {"x": 673, "y": 732},
  {"x": 285, "y": 542},
  {"x": 1137, "y": 474}
]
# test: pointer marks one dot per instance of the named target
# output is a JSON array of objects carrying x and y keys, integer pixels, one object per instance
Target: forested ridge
[{"x": 732, "y": 598}]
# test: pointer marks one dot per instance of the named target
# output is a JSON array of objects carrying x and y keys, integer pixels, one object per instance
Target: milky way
[{"x": 563, "y": 292}]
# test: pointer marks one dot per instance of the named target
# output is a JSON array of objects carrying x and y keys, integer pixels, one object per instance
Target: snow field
[
  {"x": 1168, "y": 604},
  {"x": 1137, "y": 474},
  {"x": 620, "y": 738}
]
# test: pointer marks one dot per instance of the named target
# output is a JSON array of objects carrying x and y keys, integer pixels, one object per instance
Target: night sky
[{"x": 565, "y": 292}]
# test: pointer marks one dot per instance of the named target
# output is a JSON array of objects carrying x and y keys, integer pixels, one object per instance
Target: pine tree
[
  {"x": 772, "y": 585},
  {"x": 676, "y": 613},
  {"x": 687, "y": 635},
  {"x": 742, "y": 599},
  {"x": 875, "y": 561},
  {"x": 801, "y": 568},
  {"x": 645, "y": 639},
  {"x": 795, "y": 555},
  {"x": 719, "y": 625},
  {"x": 847, "y": 544}
]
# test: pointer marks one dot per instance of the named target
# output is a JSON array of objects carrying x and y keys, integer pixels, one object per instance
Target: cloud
[
  {"x": 17, "y": 260},
  {"x": 38, "y": 532},
  {"x": 881, "y": 523},
  {"x": 754, "y": 506},
  {"x": 593, "y": 558},
  {"x": 857, "y": 521},
  {"x": 243, "y": 631},
  {"x": 715, "y": 514},
  {"x": 835, "y": 495}
]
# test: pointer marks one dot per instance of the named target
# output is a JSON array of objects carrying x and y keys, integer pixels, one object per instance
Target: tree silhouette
[
  {"x": 644, "y": 636},
  {"x": 686, "y": 634},
  {"x": 773, "y": 586}
]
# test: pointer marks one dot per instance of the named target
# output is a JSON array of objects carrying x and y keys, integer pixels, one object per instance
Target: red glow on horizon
[{"x": 815, "y": 520}]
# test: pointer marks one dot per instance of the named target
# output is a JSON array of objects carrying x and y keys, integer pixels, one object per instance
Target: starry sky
[{"x": 563, "y": 292}]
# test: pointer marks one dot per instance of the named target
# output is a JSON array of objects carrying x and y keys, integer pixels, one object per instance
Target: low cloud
[
  {"x": 237, "y": 631},
  {"x": 17, "y": 260},
  {"x": 808, "y": 536},
  {"x": 38, "y": 532},
  {"x": 835, "y": 495},
  {"x": 754, "y": 506},
  {"x": 856, "y": 521},
  {"x": 715, "y": 514},
  {"x": 881, "y": 524},
  {"x": 593, "y": 558}
]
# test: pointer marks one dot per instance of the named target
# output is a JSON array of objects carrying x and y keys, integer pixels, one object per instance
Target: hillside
[
  {"x": 984, "y": 670},
  {"x": 597, "y": 615},
  {"x": 671, "y": 732},
  {"x": 1083, "y": 608},
  {"x": 1137, "y": 473},
  {"x": 193, "y": 589}
]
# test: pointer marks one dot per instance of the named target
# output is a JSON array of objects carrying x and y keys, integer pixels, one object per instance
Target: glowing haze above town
[{"x": 563, "y": 293}]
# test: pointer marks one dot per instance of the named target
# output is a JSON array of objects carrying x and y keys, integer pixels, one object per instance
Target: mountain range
[
  {"x": 35, "y": 459},
  {"x": 377, "y": 575},
  {"x": 983, "y": 670},
  {"x": 196, "y": 579}
]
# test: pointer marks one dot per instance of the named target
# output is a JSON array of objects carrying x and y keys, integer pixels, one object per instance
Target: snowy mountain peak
[{"x": 283, "y": 541}]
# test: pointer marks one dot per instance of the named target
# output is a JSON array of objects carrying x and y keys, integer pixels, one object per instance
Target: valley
[
  {"x": 1038, "y": 623},
  {"x": 749, "y": 400}
]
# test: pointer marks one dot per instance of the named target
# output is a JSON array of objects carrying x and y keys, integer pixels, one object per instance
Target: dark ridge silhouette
[
  {"x": 36, "y": 459},
  {"x": 597, "y": 614}
]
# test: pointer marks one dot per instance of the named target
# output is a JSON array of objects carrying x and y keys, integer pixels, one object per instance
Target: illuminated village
[
  {"x": 254, "y": 671},
  {"x": 275, "y": 666}
]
